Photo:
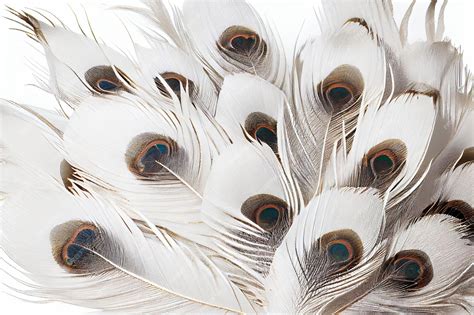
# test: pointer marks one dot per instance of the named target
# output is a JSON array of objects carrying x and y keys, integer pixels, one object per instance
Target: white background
[{"x": 16, "y": 51}]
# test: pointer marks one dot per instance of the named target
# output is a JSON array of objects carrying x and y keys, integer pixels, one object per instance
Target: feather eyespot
[
  {"x": 78, "y": 246},
  {"x": 458, "y": 209},
  {"x": 152, "y": 155},
  {"x": 107, "y": 86},
  {"x": 383, "y": 162},
  {"x": 243, "y": 45},
  {"x": 268, "y": 216},
  {"x": 341, "y": 89},
  {"x": 74, "y": 244},
  {"x": 340, "y": 251},
  {"x": 339, "y": 94},
  {"x": 103, "y": 79},
  {"x": 148, "y": 160},
  {"x": 455, "y": 208},
  {"x": 411, "y": 269},
  {"x": 266, "y": 134},
  {"x": 240, "y": 40},
  {"x": 263, "y": 128},
  {"x": 343, "y": 249},
  {"x": 175, "y": 82},
  {"x": 267, "y": 211}
]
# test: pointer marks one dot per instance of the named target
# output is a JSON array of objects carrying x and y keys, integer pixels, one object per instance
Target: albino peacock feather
[{"x": 209, "y": 173}]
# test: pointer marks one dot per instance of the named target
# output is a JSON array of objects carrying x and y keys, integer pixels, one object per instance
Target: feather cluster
[{"x": 211, "y": 173}]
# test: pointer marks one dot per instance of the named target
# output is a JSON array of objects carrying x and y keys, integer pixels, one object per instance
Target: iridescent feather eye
[
  {"x": 103, "y": 79},
  {"x": 343, "y": 248},
  {"x": 74, "y": 245},
  {"x": 340, "y": 94},
  {"x": 266, "y": 211},
  {"x": 267, "y": 134},
  {"x": 268, "y": 216},
  {"x": 341, "y": 89},
  {"x": 175, "y": 82},
  {"x": 150, "y": 155},
  {"x": 383, "y": 162},
  {"x": 241, "y": 44},
  {"x": 411, "y": 269},
  {"x": 263, "y": 128},
  {"x": 150, "y": 159},
  {"x": 78, "y": 248},
  {"x": 340, "y": 251}
]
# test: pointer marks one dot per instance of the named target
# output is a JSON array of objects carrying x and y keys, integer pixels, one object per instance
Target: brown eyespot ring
[
  {"x": 175, "y": 81},
  {"x": 458, "y": 209},
  {"x": 267, "y": 211},
  {"x": 410, "y": 269},
  {"x": 103, "y": 79},
  {"x": 381, "y": 164},
  {"x": 158, "y": 150},
  {"x": 268, "y": 216},
  {"x": 262, "y": 128},
  {"x": 343, "y": 249},
  {"x": 74, "y": 243},
  {"x": 339, "y": 94},
  {"x": 148, "y": 153},
  {"x": 242, "y": 45},
  {"x": 340, "y": 90}
]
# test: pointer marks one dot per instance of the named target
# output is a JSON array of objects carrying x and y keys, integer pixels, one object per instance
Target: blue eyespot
[
  {"x": 243, "y": 43},
  {"x": 408, "y": 269},
  {"x": 411, "y": 269},
  {"x": 150, "y": 160},
  {"x": 339, "y": 94},
  {"x": 106, "y": 85},
  {"x": 267, "y": 135},
  {"x": 268, "y": 216},
  {"x": 340, "y": 251},
  {"x": 79, "y": 247}
]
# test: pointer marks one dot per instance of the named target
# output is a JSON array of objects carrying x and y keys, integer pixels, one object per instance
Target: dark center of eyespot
[
  {"x": 107, "y": 85},
  {"x": 174, "y": 84},
  {"x": 382, "y": 164},
  {"x": 407, "y": 270},
  {"x": 267, "y": 136},
  {"x": 338, "y": 252},
  {"x": 79, "y": 247},
  {"x": 154, "y": 154},
  {"x": 243, "y": 44},
  {"x": 268, "y": 217},
  {"x": 339, "y": 95}
]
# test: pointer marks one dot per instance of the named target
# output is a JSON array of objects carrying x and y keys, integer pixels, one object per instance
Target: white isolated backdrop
[{"x": 18, "y": 53}]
